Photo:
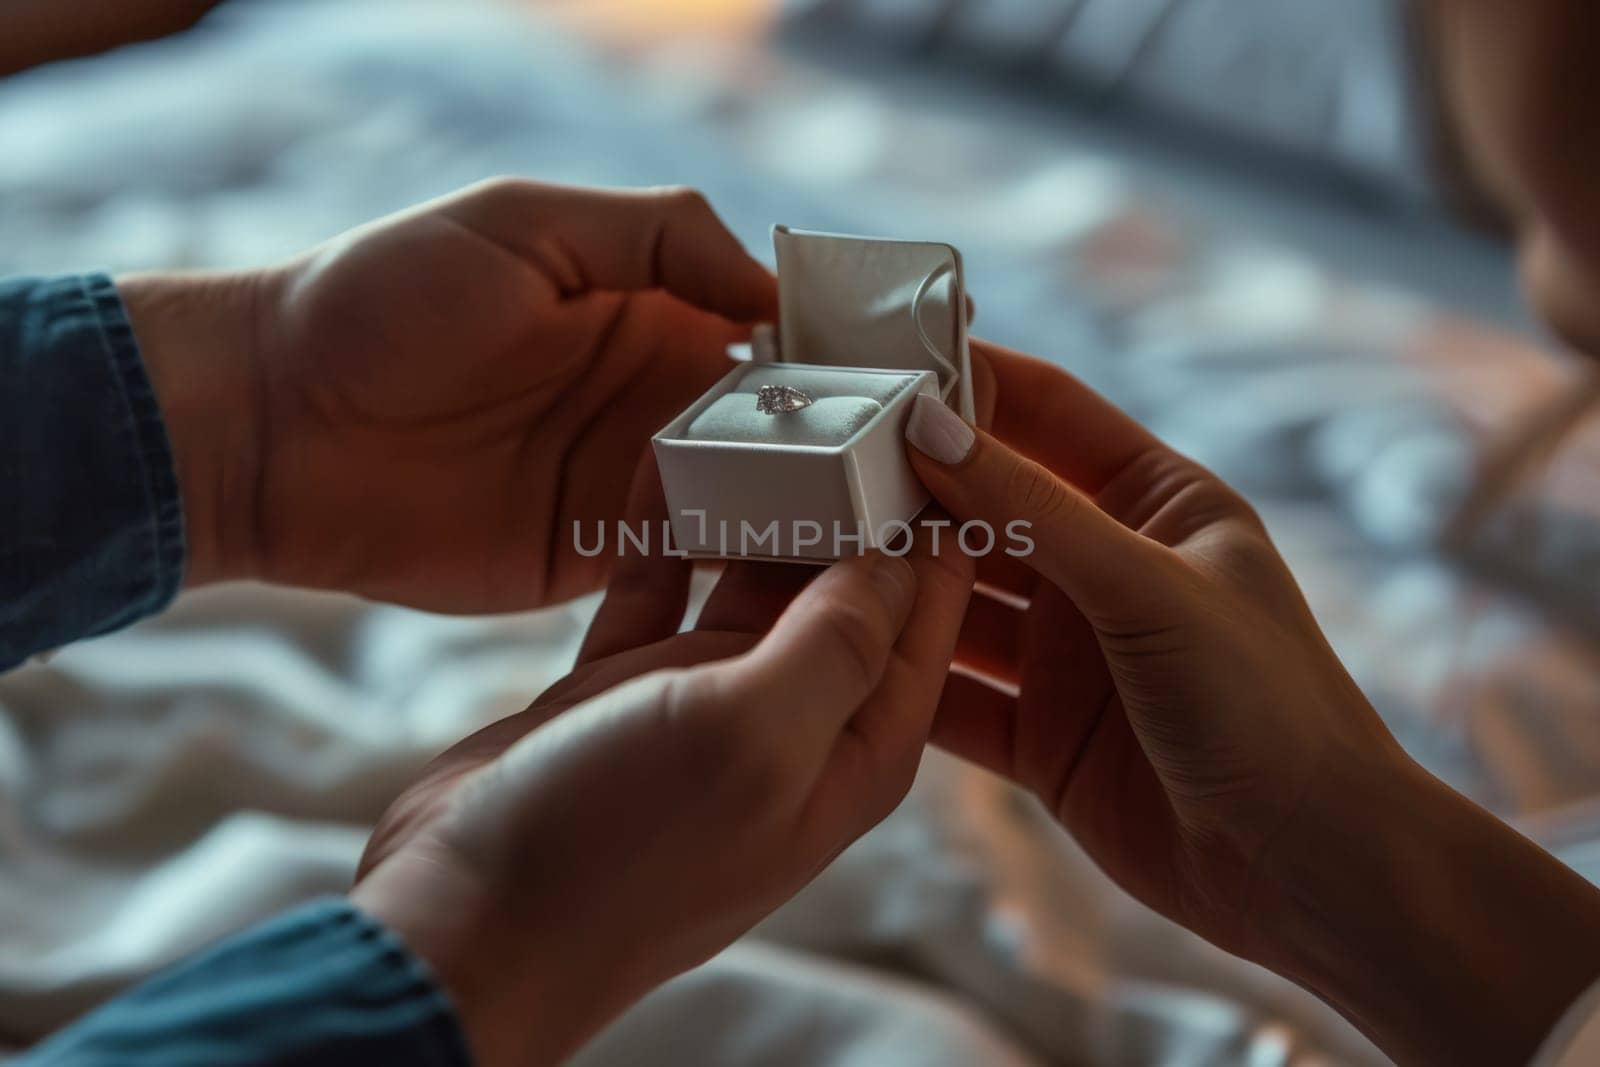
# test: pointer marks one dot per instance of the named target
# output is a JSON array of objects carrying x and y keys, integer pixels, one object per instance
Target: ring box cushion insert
[{"x": 843, "y": 403}]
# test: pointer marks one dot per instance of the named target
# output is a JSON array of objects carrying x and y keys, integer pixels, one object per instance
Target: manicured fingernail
[
  {"x": 937, "y": 432},
  {"x": 764, "y": 343},
  {"x": 896, "y": 579}
]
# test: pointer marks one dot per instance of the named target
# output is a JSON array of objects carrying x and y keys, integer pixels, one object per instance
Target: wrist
[
  {"x": 525, "y": 990},
  {"x": 1441, "y": 932},
  {"x": 447, "y": 939},
  {"x": 1345, "y": 868},
  {"x": 196, "y": 335}
]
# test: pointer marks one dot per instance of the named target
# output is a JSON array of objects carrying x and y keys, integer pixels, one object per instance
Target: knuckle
[
  {"x": 686, "y": 198},
  {"x": 1228, "y": 502},
  {"x": 1206, "y": 499},
  {"x": 717, "y": 742},
  {"x": 1246, "y": 513},
  {"x": 1251, "y": 560},
  {"x": 1161, "y": 485},
  {"x": 501, "y": 187},
  {"x": 1034, "y": 491}
]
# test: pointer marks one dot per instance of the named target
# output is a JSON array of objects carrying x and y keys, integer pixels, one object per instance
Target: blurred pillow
[{"x": 1327, "y": 80}]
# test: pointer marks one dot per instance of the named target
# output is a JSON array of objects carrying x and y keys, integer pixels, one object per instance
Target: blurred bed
[{"x": 1293, "y": 314}]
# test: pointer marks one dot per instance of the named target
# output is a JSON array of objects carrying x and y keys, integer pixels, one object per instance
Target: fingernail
[
  {"x": 937, "y": 432},
  {"x": 896, "y": 579},
  {"x": 764, "y": 343}
]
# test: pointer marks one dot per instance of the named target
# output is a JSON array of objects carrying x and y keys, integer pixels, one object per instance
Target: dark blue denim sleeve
[
  {"x": 91, "y": 525},
  {"x": 321, "y": 986}
]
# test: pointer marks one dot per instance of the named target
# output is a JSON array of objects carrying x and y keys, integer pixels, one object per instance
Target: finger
[
  {"x": 990, "y": 639},
  {"x": 977, "y": 722},
  {"x": 594, "y": 678},
  {"x": 1074, "y": 745},
  {"x": 607, "y": 424},
  {"x": 750, "y": 597},
  {"x": 894, "y": 722},
  {"x": 675, "y": 353},
  {"x": 1094, "y": 559},
  {"x": 623, "y": 239},
  {"x": 1051, "y": 417},
  {"x": 945, "y": 575},
  {"x": 985, "y": 388},
  {"x": 824, "y": 656},
  {"x": 1006, "y": 578},
  {"x": 875, "y": 757},
  {"x": 649, "y": 588}
]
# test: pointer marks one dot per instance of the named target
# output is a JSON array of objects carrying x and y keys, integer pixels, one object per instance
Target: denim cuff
[
  {"x": 91, "y": 535},
  {"x": 321, "y": 986}
]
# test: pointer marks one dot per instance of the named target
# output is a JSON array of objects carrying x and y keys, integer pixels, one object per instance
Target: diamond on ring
[{"x": 781, "y": 400}]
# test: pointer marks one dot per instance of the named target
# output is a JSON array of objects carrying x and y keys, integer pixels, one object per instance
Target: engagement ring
[{"x": 781, "y": 400}]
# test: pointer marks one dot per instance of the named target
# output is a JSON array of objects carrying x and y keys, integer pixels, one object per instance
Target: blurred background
[{"x": 1236, "y": 217}]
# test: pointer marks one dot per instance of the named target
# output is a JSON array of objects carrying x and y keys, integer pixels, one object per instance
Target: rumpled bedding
[
  {"x": 1347, "y": 364},
  {"x": 1327, "y": 81}
]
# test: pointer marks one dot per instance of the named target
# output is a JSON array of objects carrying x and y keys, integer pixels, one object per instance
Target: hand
[
  {"x": 651, "y": 807},
  {"x": 421, "y": 409},
  {"x": 33, "y": 32},
  {"x": 1510, "y": 87},
  {"x": 1168, "y": 695}
]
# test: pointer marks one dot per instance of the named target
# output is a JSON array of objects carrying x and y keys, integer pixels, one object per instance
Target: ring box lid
[{"x": 874, "y": 303}]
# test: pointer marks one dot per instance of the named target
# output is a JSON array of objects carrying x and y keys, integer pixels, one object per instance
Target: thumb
[
  {"x": 1104, "y": 567},
  {"x": 826, "y": 654}
]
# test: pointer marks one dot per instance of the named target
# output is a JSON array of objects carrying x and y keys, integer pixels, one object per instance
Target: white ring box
[{"x": 884, "y": 319}]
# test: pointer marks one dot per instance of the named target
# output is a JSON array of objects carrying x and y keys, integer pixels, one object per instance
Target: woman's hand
[
  {"x": 421, "y": 409},
  {"x": 1154, "y": 592},
  {"x": 554, "y": 869},
  {"x": 1168, "y": 695}
]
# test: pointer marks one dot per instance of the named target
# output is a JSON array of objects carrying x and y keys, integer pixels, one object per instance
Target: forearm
[{"x": 1437, "y": 929}]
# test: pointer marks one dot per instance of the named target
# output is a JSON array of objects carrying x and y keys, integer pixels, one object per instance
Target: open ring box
[{"x": 864, "y": 326}]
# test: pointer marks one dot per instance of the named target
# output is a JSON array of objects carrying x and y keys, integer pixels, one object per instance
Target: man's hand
[
  {"x": 42, "y": 31},
  {"x": 421, "y": 409},
  {"x": 673, "y": 790}
]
